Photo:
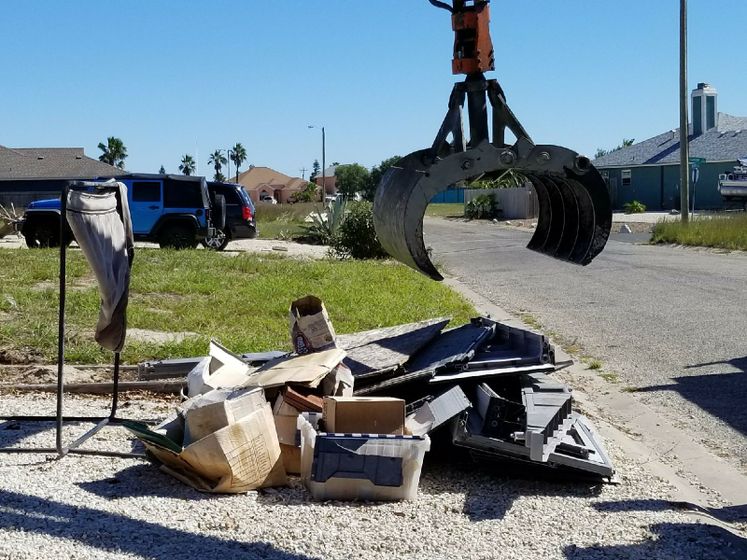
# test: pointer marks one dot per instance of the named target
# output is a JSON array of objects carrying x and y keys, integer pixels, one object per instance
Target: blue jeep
[{"x": 171, "y": 210}]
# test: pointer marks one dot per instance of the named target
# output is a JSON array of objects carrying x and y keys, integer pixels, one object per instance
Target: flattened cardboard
[
  {"x": 309, "y": 369},
  {"x": 364, "y": 415},
  {"x": 310, "y": 327}
]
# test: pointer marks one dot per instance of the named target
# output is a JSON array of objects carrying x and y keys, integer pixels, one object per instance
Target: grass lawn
[
  {"x": 726, "y": 232},
  {"x": 449, "y": 210},
  {"x": 282, "y": 221},
  {"x": 241, "y": 301}
]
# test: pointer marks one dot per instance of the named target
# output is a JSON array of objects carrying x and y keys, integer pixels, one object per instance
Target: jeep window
[
  {"x": 182, "y": 195},
  {"x": 146, "y": 191}
]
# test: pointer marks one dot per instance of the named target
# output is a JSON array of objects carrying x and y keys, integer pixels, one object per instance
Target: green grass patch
[
  {"x": 725, "y": 232},
  {"x": 242, "y": 301},
  {"x": 283, "y": 221},
  {"x": 448, "y": 210},
  {"x": 595, "y": 364}
]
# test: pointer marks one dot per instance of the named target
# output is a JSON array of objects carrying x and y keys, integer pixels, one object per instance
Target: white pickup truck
[{"x": 733, "y": 186}]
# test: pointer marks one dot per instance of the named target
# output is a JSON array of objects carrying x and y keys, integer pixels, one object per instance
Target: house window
[{"x": 625, "y": 177}]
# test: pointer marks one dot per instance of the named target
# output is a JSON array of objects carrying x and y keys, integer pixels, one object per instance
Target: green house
[{"x": 649, "y": 171}]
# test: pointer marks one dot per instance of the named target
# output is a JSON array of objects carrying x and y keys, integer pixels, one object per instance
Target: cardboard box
[
  {"x": 364, "y": 415},
  {"x": 291, "y": 455},
  {"x": 357, "y": 467},
  {"x": 215, "y": 410},
  {"x": 310, "y": 327},
  {"x": 242, "y": 456}
]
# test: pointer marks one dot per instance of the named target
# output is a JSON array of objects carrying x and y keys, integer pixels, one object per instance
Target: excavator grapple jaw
[{"x": 574, "y": 211}]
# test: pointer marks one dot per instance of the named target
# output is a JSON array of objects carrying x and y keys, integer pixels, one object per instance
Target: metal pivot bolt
[
  {"x": 543, "y": 157},
  {"x": 507, "y": 157},
  {"x": 582, "y": 164},
  {"x": 467, "y": 164}
]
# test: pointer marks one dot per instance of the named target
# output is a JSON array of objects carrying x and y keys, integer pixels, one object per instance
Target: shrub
[
  {"x": 356, "y": 236},
  {"x": 482, "y": 207},
  {"x": 634, "y": 207},
  {"x": 324, "y": 226}
]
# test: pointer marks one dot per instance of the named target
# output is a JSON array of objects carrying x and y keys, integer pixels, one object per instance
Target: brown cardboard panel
[
  {"x": 364, "y": 415},
  {"x": 286, "y": 429},
  {"x": 291, "y": 458}
]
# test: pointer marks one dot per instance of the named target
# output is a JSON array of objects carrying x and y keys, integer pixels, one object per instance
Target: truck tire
[
  {"x": 177, "y": 236},
  {"x": 216, "y": 243},
  {"x": 42, "y": 233}
]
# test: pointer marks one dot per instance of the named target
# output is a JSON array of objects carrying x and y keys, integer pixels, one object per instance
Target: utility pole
[
  {"x": 303, "y": 172},
  {"x": 684, "y": 127},
  {"x": 324, "y": 166}
]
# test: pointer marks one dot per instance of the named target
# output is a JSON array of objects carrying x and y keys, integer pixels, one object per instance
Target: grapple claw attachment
[{"x": 574, "y": 212}]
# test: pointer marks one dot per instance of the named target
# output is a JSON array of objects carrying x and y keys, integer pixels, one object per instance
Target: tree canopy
[
  {"x": 218, "y": 160},
  {"x": 114, "y": 152},
  {"x": 352, "y": 178},
  {"x": 187, "y": 165},
  {"x": 238, "y": 156}
]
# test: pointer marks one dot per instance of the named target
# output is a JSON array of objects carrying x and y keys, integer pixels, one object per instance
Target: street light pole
[
  {"x": 684, "y": 127},
  {"x": 324, "y": 166},
  {"x": 324, "y": 159}
]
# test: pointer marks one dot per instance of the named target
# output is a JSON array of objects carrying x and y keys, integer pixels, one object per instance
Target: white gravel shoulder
[{"x": 101, "y": 508}]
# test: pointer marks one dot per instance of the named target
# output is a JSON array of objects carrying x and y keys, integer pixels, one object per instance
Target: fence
[{"x": 517, "y": 204}]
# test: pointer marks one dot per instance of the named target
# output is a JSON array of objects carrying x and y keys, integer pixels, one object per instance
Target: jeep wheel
[
  {"x": 177, "y": 236},
  {"x": 218, "y": 242},
  {"x": 42, "y": 234}
]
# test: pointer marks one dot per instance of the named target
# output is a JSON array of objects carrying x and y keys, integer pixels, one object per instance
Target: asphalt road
[{"x": 669, "y": 322}]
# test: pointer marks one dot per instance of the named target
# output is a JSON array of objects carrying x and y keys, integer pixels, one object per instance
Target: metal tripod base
[{"x": 60, "y": 448}]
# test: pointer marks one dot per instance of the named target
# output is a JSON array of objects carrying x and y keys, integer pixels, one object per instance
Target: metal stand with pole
[{"x": 73, "y": 448}]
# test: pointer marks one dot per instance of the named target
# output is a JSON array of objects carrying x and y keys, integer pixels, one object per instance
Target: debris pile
[{"x": 351, "y": 414}]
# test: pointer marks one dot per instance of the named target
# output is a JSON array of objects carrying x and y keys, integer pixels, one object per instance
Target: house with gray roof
[
  {"x": 30, "y": 173},
  {"x": 649, "y": 171}
]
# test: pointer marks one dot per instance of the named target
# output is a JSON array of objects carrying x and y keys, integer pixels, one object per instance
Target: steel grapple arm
[{"x": 575, "y": 216}]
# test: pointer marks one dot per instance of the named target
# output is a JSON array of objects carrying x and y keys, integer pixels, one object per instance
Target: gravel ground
[{"x": 88, "y": 507}]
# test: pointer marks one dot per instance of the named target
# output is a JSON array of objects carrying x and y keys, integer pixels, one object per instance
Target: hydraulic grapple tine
[
  {"x": 570, "y": 213},
  {"x": 399, "y": 207},
  {"x": 586, "y": 222},
  {"x": 557, "y": 221},
  {"x": 545, "y": 215},
  {"x": 598, "y": 205}
]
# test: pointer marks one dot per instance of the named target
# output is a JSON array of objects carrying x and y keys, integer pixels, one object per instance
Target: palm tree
[
  {"x": 114, "y": 152},
  {"x": 238, "y": 156},
  {"x": 188, "y": 165},
  {"x": 218, "y": 160}
]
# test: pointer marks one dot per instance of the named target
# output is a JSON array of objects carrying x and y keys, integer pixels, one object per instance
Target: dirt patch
[
  {"x": 14, "y": 356},
  {"x": 158, "y": 337},
  {"x": 47, "y": 374}
]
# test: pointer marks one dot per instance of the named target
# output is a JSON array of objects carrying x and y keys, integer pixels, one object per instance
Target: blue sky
[{"x": 171, "y": 78}]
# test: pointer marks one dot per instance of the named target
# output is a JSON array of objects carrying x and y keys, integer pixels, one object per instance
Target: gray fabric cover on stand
[{"x": 104, "y": 233}]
